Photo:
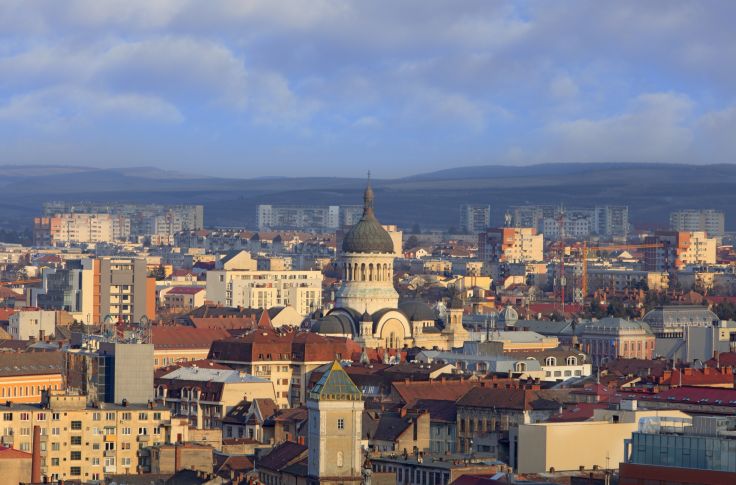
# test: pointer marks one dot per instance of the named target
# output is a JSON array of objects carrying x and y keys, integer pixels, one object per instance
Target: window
[
  {"x": 142, "y": 431},
  {"x": 75, "y": 471},
  {"x": 95, "y": 461},
  {"x": 7, "y": 416},
  {"x": 55, "y": 416},
  {"x": 75, "y": 455},
  {"x": 142, "y": 416},
  {"x": 41, "y": 417},
  {"x": 126, "y": 417},
  {"x": 125, "y": 431},
  {"x": 55, "y": 446},
  {"x": 96, "y": 416},
  {"x": 110, "y": 416},
  {"x": 25, "y": 416},
  {"x": 340, "y": 423},
  {"x": 550, "y": 361},
  {"x": 109, "y": 445},
  {"x": 55, "y": 461},
  {"x": 125, "y": 461},
  {"x": 76, "y": 440},
  {"x": 124, "y": 445},
  {"x": 572, "y": 360},
  {"x": 157, "y": 416},
  {"x": 76, "y": 425}
]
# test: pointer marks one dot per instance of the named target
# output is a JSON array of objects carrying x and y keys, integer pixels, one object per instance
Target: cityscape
[{"x": 331, "y": 243}]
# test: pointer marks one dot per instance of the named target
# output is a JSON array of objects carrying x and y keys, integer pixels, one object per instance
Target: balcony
[
  {"x": 110, "y": 469},
  {"x": 109, "y": 452},
  {"x": 143, "y": 438}
]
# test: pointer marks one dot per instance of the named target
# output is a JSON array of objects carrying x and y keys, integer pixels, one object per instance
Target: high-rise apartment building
[
  {"x": 265, "y": 289},
  {"x": 126, "y": 293},
  {"x": 511, "y": 245},
  {"x": 306, "y": 217},
  {"x": 73, "y": 228},
  {"x": 678, "y": 250},
  {"x": 475, "y": 218},
  {"x": 611, "y": 220},
  {"x": 691, "y": 220},
  {"x": 579, "y": 223}
]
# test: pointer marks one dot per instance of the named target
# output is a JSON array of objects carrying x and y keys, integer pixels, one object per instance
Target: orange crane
[{"x": 616, "y": 247}]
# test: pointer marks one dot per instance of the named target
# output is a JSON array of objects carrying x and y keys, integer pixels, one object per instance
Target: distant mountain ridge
[{"x": 430, "y": 199}]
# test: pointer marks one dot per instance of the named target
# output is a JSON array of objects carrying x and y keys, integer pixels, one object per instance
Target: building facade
[
  {"x": 511, "y": 245},
  {"x": 475, "y": 218},
  {"x": 710, "y": 221}
]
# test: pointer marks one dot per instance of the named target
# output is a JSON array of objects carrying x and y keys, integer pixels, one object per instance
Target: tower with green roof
[{"x": 335, "y": 409}]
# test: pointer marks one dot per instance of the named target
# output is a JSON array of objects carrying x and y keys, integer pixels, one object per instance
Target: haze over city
[{"x": 266, "y": 88}]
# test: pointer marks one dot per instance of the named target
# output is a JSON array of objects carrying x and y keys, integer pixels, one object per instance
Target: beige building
[
  {"x": 707, "y": 220},
  {"x": 76, "y": 228},
  {"x": 335, "y": 409},
  {"x": 204, "y": 396},
  {"x": 678, "y": 250},
  {"x": 265, "y": 289},
  {"x": 620, "y": 279},
  {"x": 30, "y": 323},
  {"x": 85, "y": 443},
  {"x": 568, "y": 446},
  {"x": 511, "y": 245}
]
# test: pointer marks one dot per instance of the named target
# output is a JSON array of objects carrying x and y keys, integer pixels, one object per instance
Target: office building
[
  {"x": 698, "y": 450},
  {"x": 126, "y": 293},
  {"x": 709, "y": 221},
  {"x": 475, "y": 218},
  {"x": 70, "y": 289}
]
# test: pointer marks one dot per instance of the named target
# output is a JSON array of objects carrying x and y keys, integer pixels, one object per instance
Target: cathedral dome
[
  {"x": 368, "y": 236},
  {"x": 333, "y": 325},
  {"x": 417, "y": 311}
]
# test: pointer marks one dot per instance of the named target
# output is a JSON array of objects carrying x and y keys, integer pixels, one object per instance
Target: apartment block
[
  {"x": 679, "y": 249},
  {"x": 709, "y": 221},
  {"x": 265, "y": 289},
  {"x": 511, "y": 245},
  {"x": 73, "y": 228},
  {"x": 33, "y": 323},
  {"x": 297, "y": 217},
  {"x": 475, "y": 218},
  {"x": 126, "y": 293},
  {"x": 83, "y": 443},
  {"x": 70, "y": 289}
]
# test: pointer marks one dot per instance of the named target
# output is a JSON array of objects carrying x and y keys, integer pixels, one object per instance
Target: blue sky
[{"x": 253, "y": 88}]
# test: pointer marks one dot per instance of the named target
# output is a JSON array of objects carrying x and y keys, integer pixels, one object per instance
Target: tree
[
  {"x": 158, "y": 273},
  {"x": 725, "y": 310},
  {"x": 411, "y": 243}
]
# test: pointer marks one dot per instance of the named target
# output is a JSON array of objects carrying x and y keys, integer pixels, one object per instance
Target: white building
[
  {"x": 691, "y": 220},
  {"x": 266, "y": 289},
  {"x": 475, "y": 218},
  {"x": 34, "y": 323}
]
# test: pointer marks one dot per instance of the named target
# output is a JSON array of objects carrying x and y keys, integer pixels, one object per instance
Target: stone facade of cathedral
[{"x": 367, "y": 307}]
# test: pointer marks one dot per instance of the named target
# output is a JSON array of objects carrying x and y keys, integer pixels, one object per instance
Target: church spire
[{"x": 368, "y": 199}]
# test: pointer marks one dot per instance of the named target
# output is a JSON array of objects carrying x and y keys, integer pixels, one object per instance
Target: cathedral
[{"x": 367, "y": 307}]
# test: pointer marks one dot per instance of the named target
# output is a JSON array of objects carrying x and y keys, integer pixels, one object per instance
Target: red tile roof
[
  {"x": 13, "y": 454},
  {"x": 186, "y": 290},
  {"x": 581, "y": 411},
  {"x": 181, "y": 336}
]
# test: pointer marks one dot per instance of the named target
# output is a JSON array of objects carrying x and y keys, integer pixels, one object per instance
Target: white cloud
[{"x": 655, "y": 128}]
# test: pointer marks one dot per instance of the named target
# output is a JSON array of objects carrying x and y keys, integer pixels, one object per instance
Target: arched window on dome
[
  {"x": 362, "y": 272},
  {"x": 520, "y": 367},
  {"x": 370, "y": 272}
]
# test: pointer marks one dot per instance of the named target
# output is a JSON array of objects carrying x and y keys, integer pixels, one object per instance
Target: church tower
[
  {"x": 335, "y": 411},
  {"x": 367, "y": 264}
]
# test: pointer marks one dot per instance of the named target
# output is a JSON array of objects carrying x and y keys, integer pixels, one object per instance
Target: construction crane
[{"x": 616, "y": 247}]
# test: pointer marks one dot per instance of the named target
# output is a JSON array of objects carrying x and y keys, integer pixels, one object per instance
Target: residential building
[
  {"x": 126, "y": 293},
  {"x": 204, "y": 396},
  {"x": 265, "y": 289},
  {"x": 710, "y": 221},
  {"x": 86, "y": 443},
  {"x": 297, "y": 217},
  {"x": 475, "y": 218},
  {"x": 286, "y": 359},
  {"x": 73, "y": 229},
  {"x": 575, "y": 224},
  {"x": 571, "y": 446},
  {"x": 25, "y": 375},
  {"x": 179, "y": 343},
  {"x": 185, "y": 298},
  {"x": 532, "y": 215},
  {"x": 28, "y": 323},
  {"x": 678, "y": 250},
  {"x": 511, "y": 245},
  {"x": 611, "y": 221},
  {"x": 175, "y": 457}
]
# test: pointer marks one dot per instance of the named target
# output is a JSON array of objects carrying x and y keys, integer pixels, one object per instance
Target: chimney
[
  {"x": 177, "y": 458},
  {"x": 36, "y": 457}
]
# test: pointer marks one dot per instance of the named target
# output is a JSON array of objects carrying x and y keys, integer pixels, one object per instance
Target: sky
[{"x": 326, "y": 87}]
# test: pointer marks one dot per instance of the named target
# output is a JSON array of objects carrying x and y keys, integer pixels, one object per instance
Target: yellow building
[
  {"x": 85, "y": 443},
  {"x": 568, "y": 446},
  {"x": 24, "y": 376}
]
